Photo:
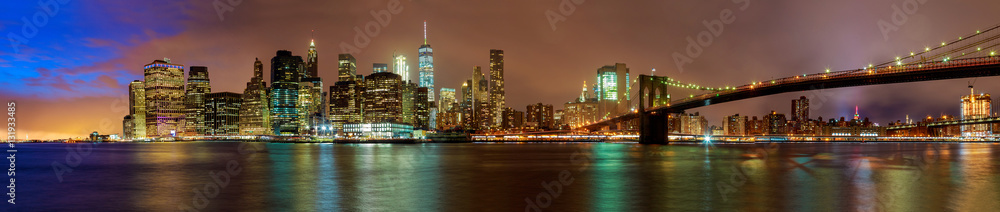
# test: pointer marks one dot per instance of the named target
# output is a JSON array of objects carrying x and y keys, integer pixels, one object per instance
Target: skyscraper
[
  {"x": 382, "y": 98},
  {"x": 447, "y": 99},
  {"x": 426, "y": 58},
  {"x": 497, "y": 100},
  {"x": 409, "y": 92},
  {"x": 310, "y": 105},
  {"x": 421, "y": 109},
  {"x": 285, "y": 77},
  {"x": 194, "y": 100},
  {"x": 222, "y": 113},
  {"x": 255, "y": 115},
  {"x": 137, "y": 109},
  {"x": 800, "y": 109},
  {"x": 164, "y": 87},
  {"x": 976, "y": 107},
  {"x": 400, "y": 68},
  {"x": 348, "y": 67},
  {"x": 612, "y": 90},
  {"x": 345, "y": 104},
  {"x": 379, "y": 67},
  {"x": 312, "y": 61}
]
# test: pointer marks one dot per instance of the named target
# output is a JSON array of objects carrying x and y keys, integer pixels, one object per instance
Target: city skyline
[{"x": 50, "y": 77}]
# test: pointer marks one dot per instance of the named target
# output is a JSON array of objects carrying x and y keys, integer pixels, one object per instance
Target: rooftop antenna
[{"x": 425, "y": 32}]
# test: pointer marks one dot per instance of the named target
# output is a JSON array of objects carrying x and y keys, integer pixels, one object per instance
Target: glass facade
[
  {"x": 164, "y": 88},
  {"x": 285, "y": 77},
  {"x": 386, "y": 130}
]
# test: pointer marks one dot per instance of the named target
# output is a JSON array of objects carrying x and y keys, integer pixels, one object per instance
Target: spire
[
  {"x": 855, "y": 112},
  {"x": 583, "y": 95},
  {"x": 312, "y": 39},
  {"x": 425, "y": 32}
]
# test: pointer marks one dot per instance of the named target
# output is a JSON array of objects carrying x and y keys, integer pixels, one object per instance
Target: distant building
[
  {"x": 164, "y": 87},
  {"x": 613, "y": 90},
  {"x": 976, "y": 107},
  {"x": 312, "y": 61},
  {"x": 194, "y": 101},
  {"x": 579, "y": 113},
  {"x": 128, "y": 127},
  {"x": 426, "y": 58},
  {"x": 310, "y": 106},
  {"x": 222, "y": 113},
  {"x": 400, "y": 68},
  {"x": 497, "y": 94},
  {"x": 512, "y": 119},
  {"x": 694, "y": 124},
  {"x": 448, "y": 99},
  {"x": 542, "y": 114},
  {"x": 137, "y": 110},
  {"x": 347, "y": 67},
  {"x": 800, "y": 109},
  {"x": 775, "y": 123},
  {"x": 735, "y": 125},
  {"x": 557, "y": 119},
  {"x": 380, "y": 67},
  {"x": 255, "y": 113},
  {"x": 286, "y": 73},
  {"x": 421, "y": 109}
]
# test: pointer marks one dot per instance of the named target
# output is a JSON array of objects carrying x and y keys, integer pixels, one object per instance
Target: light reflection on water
[{"x": 506, "y": 177}]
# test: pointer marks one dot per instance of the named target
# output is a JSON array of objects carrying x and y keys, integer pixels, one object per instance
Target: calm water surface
[{"x": 507, "y": 177}]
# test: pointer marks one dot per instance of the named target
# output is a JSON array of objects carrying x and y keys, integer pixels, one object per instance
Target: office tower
[
  {"x": 426, "y": 59},
  {"x": 976, "y": 107},
  {"x": 382, "y": 98},
  {"x": 735, "y": 125},
  {"x": 345, "y": 104},
  {"x": 400, "y": 68},
  {"x": 409, "y": 91},
  {"x": 164, "y": 87},
  {"x": 379, "y": 67},
  {"x": 310, "y": 105},
  {"x": 348, "y": 68},
  {"x": 421, "y": 109},
  {"x": 540, "y": 115},
  {"x": 579, "y": 113},
  {"x": 497, "y": 94},
  {"x": 800, "y": 109},
  {"x": 312, "y": 61},
  {"x": 222, "y": 113},
  {"x": 480, "y": 85},
  {"x": 285, "y": 78},
  {"x": 467, "y": 94},
  {"x": 137, "y": 109},
  {"x": 512, "y": 119},
  {"x": 194, "y": 100},
  {"x": 255, "y": 113},
  {"x": 447, "y": 99},
  {"x": 613, "y": 90},
  {"x": 128, "y": 127}
]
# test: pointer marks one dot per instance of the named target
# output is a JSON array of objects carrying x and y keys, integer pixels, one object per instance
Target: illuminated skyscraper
[
  {"x": 137, "y": 109},
  {"x": 285, "y": 78},
  {"x": 976, "y": 107},
  {"x": 380, "y": 67},
  {"x": 497, "y": 94},
  {"x": 348, "y": 67},
  {"x": 426, "y": 58},
  {"x": 421, "y": 109},
  {"x": 345, "y": 104},
  {"x": 310, "y": 105},
  {"x": 409, "y": 92},
  {"x": 312, "y": 61},
  {"x": 613, "y": 90},
  {"x": 400, "y": 68},
  {"x": 128, "y": 127},
  {"x": 382, "y": 98},
  {"x": 164, "y": 87},
  {"x": 194, "y": 101},
  {"x": 255, "y": 114},
  {"x": 222, "y": 113},
  {"x": 800, "y": 109},
  {"x": 447, "y": 99}
]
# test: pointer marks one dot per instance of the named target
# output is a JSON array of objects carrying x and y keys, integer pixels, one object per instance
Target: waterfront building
[
  {"x": 775, "y": 123},
  {"x": 194, "y": 100},
  {"x": 496, "y": 90},
  {"x": 513, "y": 119},
  {"x": 382, "y": 98},
  {"x": 285, "y": 78},
  {"x": 735, "y": 125},
  {"x": 222, "y": 113},
  {"x": 137, "y": 110},
  {"x": 976, "y": 107},
  {"x": 128, "y": 127},
  {"x": 580, "y": 112},
  {"x": 255, "y": 113},
  {"x": 693, "y": 124},
  {"x": 540, "y": 114},
  {"x": 382, "y": 130},
  {"x": 380, "y": 67},
  {"x": 346, "y": 100},
  {"x": 613, "y": 90},
  {"x": 164, "y": 88}
]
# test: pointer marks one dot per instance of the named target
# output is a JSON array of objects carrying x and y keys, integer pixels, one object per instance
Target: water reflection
[{"x": 515, "y": 177}]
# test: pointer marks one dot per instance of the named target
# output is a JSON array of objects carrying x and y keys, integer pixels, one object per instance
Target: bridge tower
[{"x": 653, "y": 127}]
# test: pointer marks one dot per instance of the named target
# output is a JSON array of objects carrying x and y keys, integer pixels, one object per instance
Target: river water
[{"x": 232, "y": 176}]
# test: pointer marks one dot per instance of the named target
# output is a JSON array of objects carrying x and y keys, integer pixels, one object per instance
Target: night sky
[{"x": 70, "y": 78}]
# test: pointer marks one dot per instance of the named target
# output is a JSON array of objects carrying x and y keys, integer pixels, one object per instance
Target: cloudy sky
[{"x": 68, "y": 69}]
